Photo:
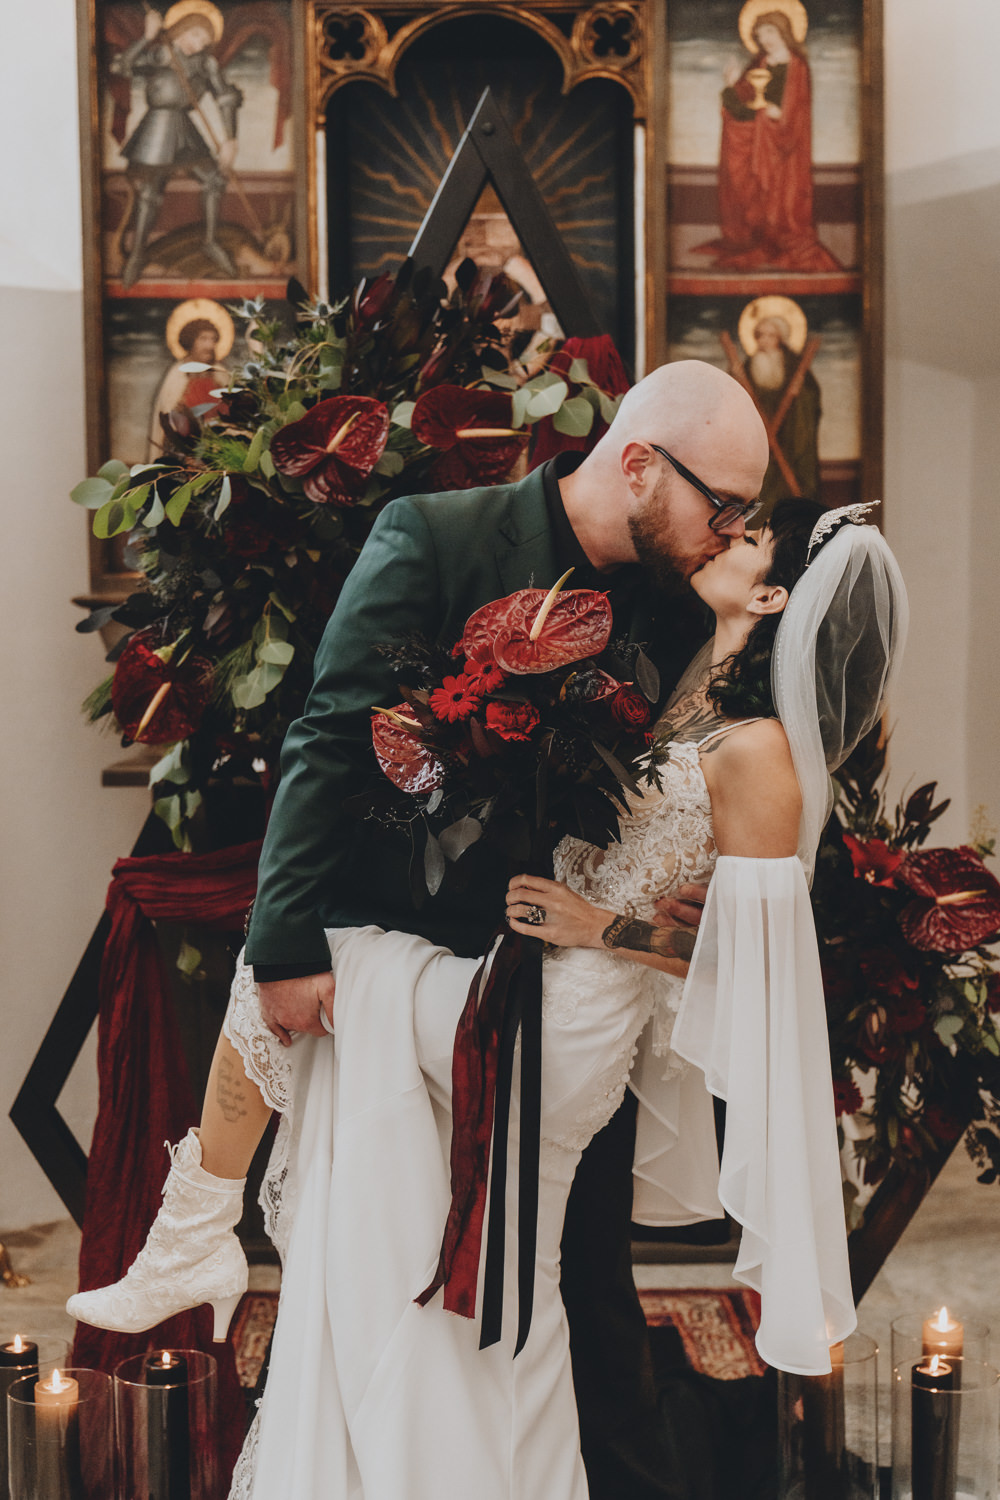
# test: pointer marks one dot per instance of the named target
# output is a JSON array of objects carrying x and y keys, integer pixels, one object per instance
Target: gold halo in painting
[
  {"x": 773, "y": 307},
  {"x": 206, "y": 11},
  {"x": 203, "y": 307},
  {"x": 798, "y": 18}
]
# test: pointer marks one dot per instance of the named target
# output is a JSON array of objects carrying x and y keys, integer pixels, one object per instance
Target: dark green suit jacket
[{"x": 431, "y": 560}]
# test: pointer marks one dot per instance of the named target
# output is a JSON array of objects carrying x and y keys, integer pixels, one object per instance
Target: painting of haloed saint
[
  {"x": 197, "y": 150},
  {"x": 765, "y": 204}
]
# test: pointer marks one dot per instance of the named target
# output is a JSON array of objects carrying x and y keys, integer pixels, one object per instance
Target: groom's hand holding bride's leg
[{"x": 293, "y": 1005}]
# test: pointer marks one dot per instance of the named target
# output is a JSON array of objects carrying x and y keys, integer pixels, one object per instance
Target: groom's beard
[{"x": 657, "y": 545}]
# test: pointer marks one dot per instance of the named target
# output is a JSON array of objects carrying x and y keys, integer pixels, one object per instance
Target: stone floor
[{"x": 947, "y": 1255}]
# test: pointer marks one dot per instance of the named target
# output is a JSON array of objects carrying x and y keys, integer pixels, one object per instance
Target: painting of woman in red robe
[{"x": 765, "y": 161}]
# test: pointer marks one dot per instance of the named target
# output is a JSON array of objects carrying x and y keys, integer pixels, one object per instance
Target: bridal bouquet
[{"x": 526, "y": 730}]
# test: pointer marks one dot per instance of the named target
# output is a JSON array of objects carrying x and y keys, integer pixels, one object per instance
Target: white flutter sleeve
[{"x": 753, "y": 1019}]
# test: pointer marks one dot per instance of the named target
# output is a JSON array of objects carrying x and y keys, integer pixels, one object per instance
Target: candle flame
[
  {"x": 18, "y": 1344},
  {"x": 57, "y": 1383},
  {"x": 942, "y": 1322},
  {"x": 165, "y": 1360},
  {"x": 938, "y": 1366}
]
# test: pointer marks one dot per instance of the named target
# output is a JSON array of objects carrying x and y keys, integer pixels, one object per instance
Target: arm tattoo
[
  {"x": 643, "y": 937},
  {"x": 229, "y": 1093}
]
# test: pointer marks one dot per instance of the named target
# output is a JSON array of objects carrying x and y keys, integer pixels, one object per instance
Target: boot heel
[{"x": 222, "y": 1311}]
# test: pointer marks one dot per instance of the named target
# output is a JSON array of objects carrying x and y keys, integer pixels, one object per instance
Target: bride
[{"x": 373, "y": 1397}]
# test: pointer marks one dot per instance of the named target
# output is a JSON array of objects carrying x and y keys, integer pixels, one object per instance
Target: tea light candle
[
  {"x": 57, "y": 1435},
  {"x": 943, "y": 1335},
  {"x": 934, "y": 1429},
  {"x": 18, "y": 1358},
  {"x": 167, "y": 1426}
]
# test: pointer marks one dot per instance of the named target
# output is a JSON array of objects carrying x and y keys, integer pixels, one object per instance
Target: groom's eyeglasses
[{"x": 726, "y": 511}]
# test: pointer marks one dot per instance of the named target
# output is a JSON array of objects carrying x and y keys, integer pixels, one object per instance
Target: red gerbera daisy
[{"x": 454, "y": 699}]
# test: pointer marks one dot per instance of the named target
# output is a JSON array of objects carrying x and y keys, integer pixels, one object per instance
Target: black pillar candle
[
  {"x": 823, "y": 1431},
  {"x": 167, "y": 1427},
  {"x": 17, "y": 1359},
  {"x": 934, "y": 1430}
]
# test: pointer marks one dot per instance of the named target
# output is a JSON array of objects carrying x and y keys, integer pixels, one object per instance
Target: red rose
[
  {"x": 454, "y": 699},
  {"x": 511, "y": 721},
  {"x": 873, "y": 860},
  {"x": 885, "y": 973},
  {"x": 847, "y": 1098},
  {"x": 942, "y": 1126},
  {"x": 630, "y": 709}
]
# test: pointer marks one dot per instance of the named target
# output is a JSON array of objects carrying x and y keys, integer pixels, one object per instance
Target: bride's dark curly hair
[{"x": 741, "y": 685}]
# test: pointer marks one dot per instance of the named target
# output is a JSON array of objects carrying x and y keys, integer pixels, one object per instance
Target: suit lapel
[{"x": 524, "y": 553}]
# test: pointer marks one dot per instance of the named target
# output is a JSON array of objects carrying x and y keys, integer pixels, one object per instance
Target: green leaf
[
  {"x": 434, "y": 865},
  {"x": 294, "y": 412},
  {"x": 267, "y": 465},
  {"x": 179, "y": 502},
  {"x": 188, "y": 958},
  {"x": 250, "y": 691},
  {"x": 172, "y": 766},
  {"x": 609, "y": 407},
  {"x": 279, "y": 652},
  {"x": 460, "y": 836},
  {"x": 225, "y": 497},
  {"x": 948, "y": 1027},
  {"x": 547, "y": 401},
  {"x": 578, "y": 372},
  {"x": 390, "y": 463},
  {"x": 279, "y": 603},
  {"x": 574, "y": 418},
  {"x": 114, "y": 470},
  {"x": 519, "y": 406},
  {"x": 92, "y": 493},
  {"x": 991, "y": 1044},
  {"x": 168, "y": 810},
  {"x": 502, "y": 378},
  {"x": 402, "y": 413},
  {"x": 254, "y": 451},
  {"x": 155, "y": 513},
  {"x": 108, "y": 520},
  {"x": 592, "y": 396}
]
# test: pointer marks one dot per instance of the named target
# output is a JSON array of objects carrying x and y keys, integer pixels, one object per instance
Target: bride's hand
[{"x": 570, "y": 921}]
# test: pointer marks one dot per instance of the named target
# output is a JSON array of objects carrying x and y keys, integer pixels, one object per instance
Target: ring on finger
[{"x": 534, "y": 915}]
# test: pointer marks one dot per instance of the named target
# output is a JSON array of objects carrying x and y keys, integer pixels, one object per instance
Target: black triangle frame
[{"x": 486, "y": 153}]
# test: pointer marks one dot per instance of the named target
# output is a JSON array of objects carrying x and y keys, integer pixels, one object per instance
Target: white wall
[{"x": 61, "y": 831}]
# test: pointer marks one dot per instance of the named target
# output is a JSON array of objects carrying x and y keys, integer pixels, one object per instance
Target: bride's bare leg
[{"x": 234, "y": 1115}]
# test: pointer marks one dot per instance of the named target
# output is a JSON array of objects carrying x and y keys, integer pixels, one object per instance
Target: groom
[{"x": 660, "y": 494}]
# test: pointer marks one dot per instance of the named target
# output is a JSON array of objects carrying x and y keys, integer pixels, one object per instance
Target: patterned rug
[{"x": 716, "y": 1328}]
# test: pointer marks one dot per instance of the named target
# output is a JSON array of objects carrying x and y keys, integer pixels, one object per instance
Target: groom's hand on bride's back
[
  {"x": 683, "y": 909},
  {"x": 293, "y": 1005}
]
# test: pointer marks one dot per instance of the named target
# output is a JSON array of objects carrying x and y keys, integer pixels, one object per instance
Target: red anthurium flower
[
  {"x": 159, "y": 694},
  {"x": 847, "y": 1098},
  {"x": 333, "y": 448},
  {"x": 472, "y": 429},
  {"x": 511, "y": 721},
  {"x": 574, "y": 625},
  {"x": 958, "y": 900},
  {"x": 873, "y": 860},
  {"x": 402, "y": 754},
  {"x": 454, "y": 699}
]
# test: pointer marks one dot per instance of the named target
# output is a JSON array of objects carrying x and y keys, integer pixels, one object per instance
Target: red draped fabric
[
  {"x": 145, "y": 1096},
  {"x": 766, "y": 183},
  {"x": 605, "y": 368}
]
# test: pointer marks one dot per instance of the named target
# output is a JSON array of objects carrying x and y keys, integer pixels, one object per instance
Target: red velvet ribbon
[{"x": 145, "y": 1096}]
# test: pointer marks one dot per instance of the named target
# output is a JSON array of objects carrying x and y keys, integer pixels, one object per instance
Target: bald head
[{"x": 696, "y": 411}]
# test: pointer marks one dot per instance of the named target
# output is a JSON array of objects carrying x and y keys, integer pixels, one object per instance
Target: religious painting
[
  {"x": 387, "y": 155},
  {"x": 192, "y": 202},
  {"x": 774, "y": 249}
]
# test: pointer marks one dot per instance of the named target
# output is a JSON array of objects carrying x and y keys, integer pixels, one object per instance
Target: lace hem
[{"x": 241, "y": 1487}]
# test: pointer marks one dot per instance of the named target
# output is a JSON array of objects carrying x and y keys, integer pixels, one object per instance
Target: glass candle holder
[
  {"x": 60, "y": 1433},
  {"x": 165, "y": 1420},
  {"x": 21, "y": 1356},
  {"x": 828, "y": 1427},
  {"x": 945, "y": 1412},
  {"x": 917, "y": 1334}
]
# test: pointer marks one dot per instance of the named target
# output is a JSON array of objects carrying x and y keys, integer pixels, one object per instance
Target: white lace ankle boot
[{"x": 191, "y": 1254}]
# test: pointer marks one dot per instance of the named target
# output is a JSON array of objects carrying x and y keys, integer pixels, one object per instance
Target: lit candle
[
  {"x": 167, "y": 1426},
  {"x": 823, "y": 1430},
  {"x": 943, "y": 1335},
  {"x": 57, "y": 1437},
  {"x": 17, "y": 1359},
  {"x": 934, "y": 1429}
]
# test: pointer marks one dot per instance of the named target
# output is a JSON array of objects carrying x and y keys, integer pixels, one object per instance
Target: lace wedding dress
[{"x": 371, "y": 1397}]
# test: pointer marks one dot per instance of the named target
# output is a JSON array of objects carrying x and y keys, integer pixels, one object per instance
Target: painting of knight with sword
[{"x": 175, "y": 61}]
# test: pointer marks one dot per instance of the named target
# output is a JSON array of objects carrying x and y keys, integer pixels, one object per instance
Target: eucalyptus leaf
[
  {"x": 547, "y": 401},
  {"x": 155, "y": 513},
  {"x": 519, "y": 406},
  {"x": 254, "y": 452},
  {"x": 188, "y": 959},
  {"x": 113, "y": 470},
  {"x": 460, "y": 836},
  {"x": 267, "y": 467},
  {"x": 391, "y": 463},
  {"x": 948, "y": 1027},
  {"x": 295, "y": 411},
  {"x": 434, "y": 800},
  {"x": 574, "y": 418},
  {"x": 279, "y": 603},
  {"x": 647, "y": 676},
  {"x": 501, "y": 378},
  {"x": 609, "y": 407},
  {"x": 168, "y": 810},
  {"x": 225, "y": 497},
  {"x": 279, "y": 652},
  {"x": 92, "y": 493},
  {"x": 194, "y": 367},
  {"x": 179, "y": 502},
  {"x": 402, "y": 413},
  {"x": 109, "y": 520},
  {"x": 614, "y": 764},
  {"x": 172, "y": 767},
  {"x": 434, "y": 864},
  {"x": 578, "y": 372}
]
